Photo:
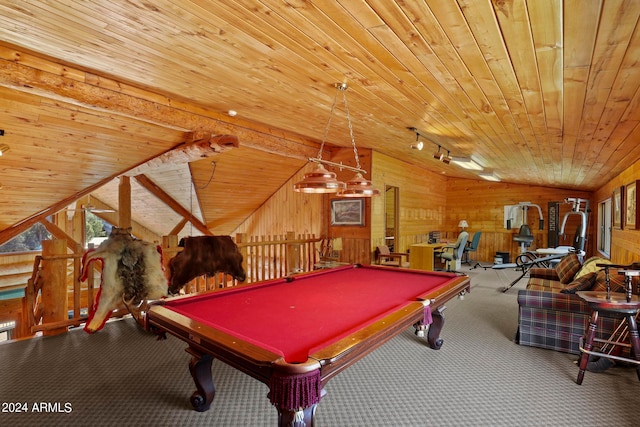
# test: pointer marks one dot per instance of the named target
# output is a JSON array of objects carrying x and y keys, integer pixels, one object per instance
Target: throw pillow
[
  {"x": 583, "y": 283},
  {"x": 568, "y": 267},
  {"x": 616, "y": 281},
  {"x": 589, "y": 266}
]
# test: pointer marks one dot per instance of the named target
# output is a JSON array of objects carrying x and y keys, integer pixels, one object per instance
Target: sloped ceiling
[{"x": 537, "y": 92}]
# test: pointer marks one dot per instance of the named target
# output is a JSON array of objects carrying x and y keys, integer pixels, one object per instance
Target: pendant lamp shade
[
  {"x": 318, "y": 181},
  {"x": 359, "y": 187}
]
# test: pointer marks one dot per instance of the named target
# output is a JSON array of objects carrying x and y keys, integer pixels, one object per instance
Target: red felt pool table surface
[
  {"x": 294, "y": 334},
  {"x": 294, "y": 318}
]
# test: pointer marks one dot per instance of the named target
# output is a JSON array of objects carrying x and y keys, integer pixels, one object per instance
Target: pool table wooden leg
[
  {"x": 433, "y": 336},
  {"x": 200, "y": 368}
]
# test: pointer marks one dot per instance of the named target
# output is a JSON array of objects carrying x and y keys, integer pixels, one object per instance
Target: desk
[
  {"x": 422, "y": 255},
  {"x": 295, "y": 334}
]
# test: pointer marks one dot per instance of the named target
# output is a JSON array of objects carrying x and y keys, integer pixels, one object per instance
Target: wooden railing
[
  {"x": 34, "y": 296},
  {"x": 268, "y": 257},
  {"x": 264, "y": 257}
]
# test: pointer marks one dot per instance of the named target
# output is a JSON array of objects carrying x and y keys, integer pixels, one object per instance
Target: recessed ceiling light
[
  {"x": 466, "y": 163},
  {"x": 489, "y": 177}
]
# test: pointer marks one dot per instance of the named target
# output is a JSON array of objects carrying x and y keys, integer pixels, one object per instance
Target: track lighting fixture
[
  {"x": 466, "y": 163},
  {"x": 419, "y": 145},
  {"x": 447, "y": 159},
  {"x": 438, "y": 155}
]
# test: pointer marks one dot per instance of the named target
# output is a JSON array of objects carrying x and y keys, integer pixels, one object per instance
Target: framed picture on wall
[
  {"x": 618, "y": 207},
  {"x": 631, "y": 203},
  {"x": 347, "y": 212}
]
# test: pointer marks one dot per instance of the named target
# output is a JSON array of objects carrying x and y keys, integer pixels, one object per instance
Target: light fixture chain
[
  {"x": 353, "y": 141},
  {"x": 326, "y": 130}
]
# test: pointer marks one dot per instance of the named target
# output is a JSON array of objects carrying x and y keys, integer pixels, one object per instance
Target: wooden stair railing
[{"x": 265, "y": 257}]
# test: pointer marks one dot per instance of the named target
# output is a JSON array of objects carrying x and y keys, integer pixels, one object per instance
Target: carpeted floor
[{"x": 123, "y": 376}]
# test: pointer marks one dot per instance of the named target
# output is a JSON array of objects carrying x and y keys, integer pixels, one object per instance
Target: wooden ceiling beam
[
  {"x": 137, "y": 229},
  {"x": 151, "y": 186},
  {"x": 59, "y": 233},
  {"x": 16, "y": 229},
  {"x": 178, "y": 227},
  {"x": 64, "y": 83}
]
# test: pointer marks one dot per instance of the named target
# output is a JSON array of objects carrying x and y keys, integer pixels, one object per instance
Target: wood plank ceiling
[{"x": 537, "y": 92}]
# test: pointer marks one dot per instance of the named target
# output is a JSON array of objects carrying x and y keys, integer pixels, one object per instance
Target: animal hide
[
  {"x": 205, "y": 255},
  {"x": 131, "y": 271}
]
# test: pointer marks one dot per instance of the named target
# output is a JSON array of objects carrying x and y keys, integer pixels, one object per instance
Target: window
[
  {"x": 30, "y": 240},
  {"x": 6, "y": 330},
  {"x": 604, "y": 227}
]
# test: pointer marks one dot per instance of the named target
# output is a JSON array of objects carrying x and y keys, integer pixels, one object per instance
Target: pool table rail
[
  {"x": 343, "y": 353},
  {"x": 203, "y": 339}
]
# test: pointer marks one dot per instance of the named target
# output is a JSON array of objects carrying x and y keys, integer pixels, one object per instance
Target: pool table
[{"x": 294, "y": 334}]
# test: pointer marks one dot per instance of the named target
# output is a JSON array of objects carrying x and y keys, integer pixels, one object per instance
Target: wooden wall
[
  {"x": 625, "y": 243},
  {"x": 430, "y": 201},
  {"x": 422, "y": 201},
  {"x": 287, "y": 210},
  {"x": 482, "y": 203},
  {"x": 356, "y": 240}
]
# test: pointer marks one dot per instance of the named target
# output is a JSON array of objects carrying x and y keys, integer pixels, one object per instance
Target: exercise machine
[
  {"x": 547, "y": 257},
  {"x": 524, "y": 235},
  {"x": 528, "y": 260},
  {"x": 579, "y": 207}
]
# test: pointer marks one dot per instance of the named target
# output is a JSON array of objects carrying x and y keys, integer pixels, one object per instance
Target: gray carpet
[{"x": 122, "y": 376}]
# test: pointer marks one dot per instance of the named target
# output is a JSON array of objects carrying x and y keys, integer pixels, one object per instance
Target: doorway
[{"x": 391, "y": 222}]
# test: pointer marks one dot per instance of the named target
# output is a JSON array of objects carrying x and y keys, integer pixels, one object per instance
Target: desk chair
[
  {"x": 394, "y": 259},
  {"x": 471, "y": 247},
  {"x": 451, "y": 253}
]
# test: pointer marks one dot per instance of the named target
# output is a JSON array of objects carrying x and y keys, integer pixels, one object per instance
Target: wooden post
[
  {"x": 169, "y": 250},
  {"x": 54, "y": 288},
  {"x": 293, "y": 254},
  {"x": 242, "y": 238},
  {"x": 77, "y": 284},
  {"x": 124, "y": 202},
  {"x": 22, "y": 327}
]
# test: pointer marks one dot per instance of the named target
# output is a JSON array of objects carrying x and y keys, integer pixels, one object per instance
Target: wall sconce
[{"x": 322, "y": 181}]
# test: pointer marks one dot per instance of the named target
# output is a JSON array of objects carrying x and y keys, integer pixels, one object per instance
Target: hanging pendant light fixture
[
  {"x": 320, "y": 180},
  {"x": 357, "y": 186}
]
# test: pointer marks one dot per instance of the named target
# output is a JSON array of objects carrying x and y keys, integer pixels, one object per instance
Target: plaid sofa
[{"x": 551, "y": 316}]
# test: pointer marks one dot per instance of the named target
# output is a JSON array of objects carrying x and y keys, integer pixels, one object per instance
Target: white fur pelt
[{"x": 131, "y": 270}]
